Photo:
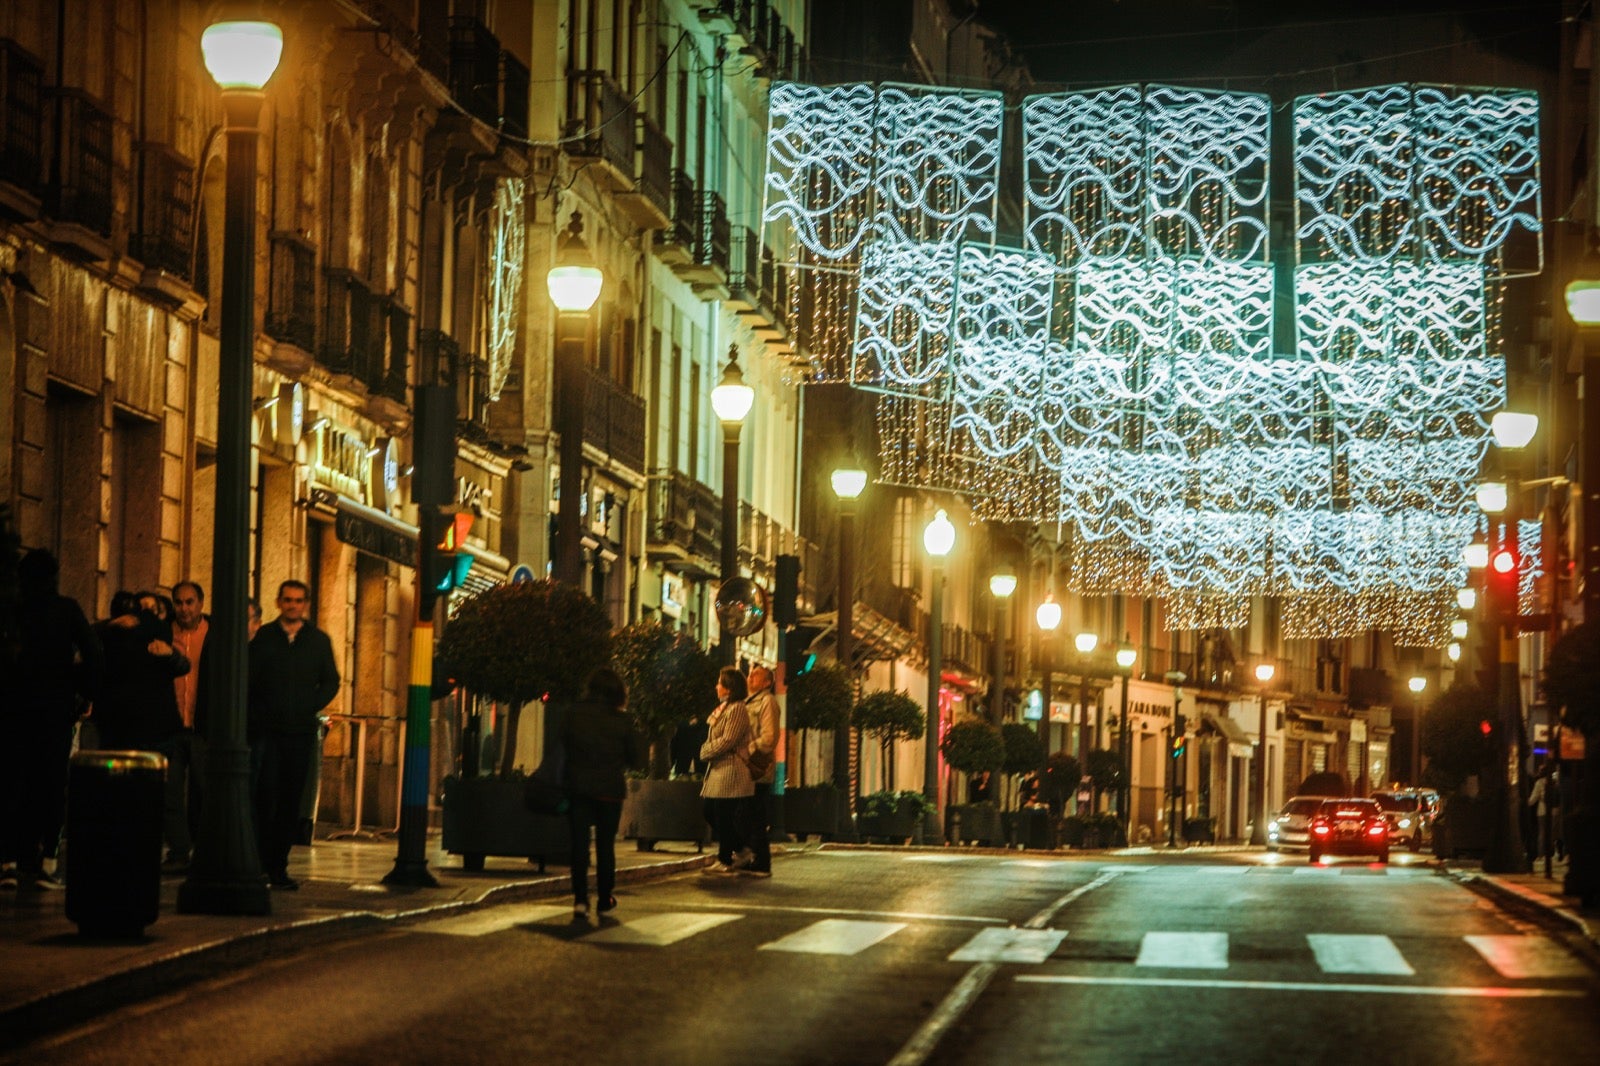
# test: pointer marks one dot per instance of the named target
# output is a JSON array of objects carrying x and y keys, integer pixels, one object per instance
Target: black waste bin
[
  {"x": 114, "y": 807},
  {"x": 1035, "y": 829}
]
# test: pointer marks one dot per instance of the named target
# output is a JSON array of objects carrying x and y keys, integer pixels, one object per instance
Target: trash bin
[
  {"x": 114, "y": 808},
  {"x": 1036, "y": 831}
]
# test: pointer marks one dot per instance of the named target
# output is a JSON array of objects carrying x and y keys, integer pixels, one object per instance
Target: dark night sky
[{"x": 1255, "y": 43}]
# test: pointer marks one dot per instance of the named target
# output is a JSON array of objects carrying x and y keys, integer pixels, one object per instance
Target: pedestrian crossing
[{"x": 1161, "y": 957}]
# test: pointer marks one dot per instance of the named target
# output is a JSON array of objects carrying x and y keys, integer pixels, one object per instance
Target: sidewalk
[
  {"x": 53, "y": 978},
  {"x": 1534, "y": 895}
]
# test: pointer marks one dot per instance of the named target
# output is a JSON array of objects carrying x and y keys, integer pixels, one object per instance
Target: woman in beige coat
[{"x": 727, "y": 782}]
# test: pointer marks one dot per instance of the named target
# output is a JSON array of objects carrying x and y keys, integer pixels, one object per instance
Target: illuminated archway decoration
[
  {"x": 1118, "y": 372},
  {"x": 507, "y": 235}
]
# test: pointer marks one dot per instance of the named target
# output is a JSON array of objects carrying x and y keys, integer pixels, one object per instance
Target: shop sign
[
  {"x": 340, "y": 461},
  {"x": 673, "y": 595},
  {"x": 289, "y": 415},
  {"x": 383, "y": 474}
]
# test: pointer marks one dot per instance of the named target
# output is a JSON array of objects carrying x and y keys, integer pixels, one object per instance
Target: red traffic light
[
  {"x": 1504, "y": 561},
  {"x": 1485, "y": 727}
]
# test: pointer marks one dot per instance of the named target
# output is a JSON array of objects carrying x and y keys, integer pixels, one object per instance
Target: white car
[{"x": 1291, "y": 827}]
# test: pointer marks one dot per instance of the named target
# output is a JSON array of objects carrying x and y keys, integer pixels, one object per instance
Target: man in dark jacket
[{"x": 293, "y": 676}]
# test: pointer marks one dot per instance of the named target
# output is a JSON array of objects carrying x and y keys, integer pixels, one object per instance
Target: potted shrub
[
  {"x": 895, "y": 817},
  {"x": 973, "y": 746},
  {"x": 819, "y": 699},
  {"x": 516, "y": 643},
  {"x": 670, "y": 680}
]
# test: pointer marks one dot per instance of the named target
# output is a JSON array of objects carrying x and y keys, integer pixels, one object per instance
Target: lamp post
[
  {"x": 1002, "y": 583},
  {"x": 1126, "y": 656},
  {"x": 1416, "y": 684},
  {"x": 731, "y": 400},
  {"x": 937, "y": 538},
  {"x": 226, "y": 876},
  {"x": 1049, "y": 618},
  {"x": 1505, "y": 853},
  {"x": 574, "y": 284},
  {"x": 1258, "y": 825},
  {"x": 848, "y": 484},
  {"x": 1175, "y": 678},
  {"x": 1088, "y": 731}
]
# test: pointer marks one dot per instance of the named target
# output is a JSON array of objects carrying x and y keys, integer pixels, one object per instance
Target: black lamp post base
[
  {"x": 203, "y": 896},
  {"x": 410, "y": 874}
]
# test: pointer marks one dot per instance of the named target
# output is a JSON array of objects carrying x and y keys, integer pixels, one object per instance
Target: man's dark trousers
[{"x": 279, "y": 763}]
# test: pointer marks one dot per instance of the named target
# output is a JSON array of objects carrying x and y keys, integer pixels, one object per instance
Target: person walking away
[
  {"x": 727, "y": 781},
  {"x": 293, "y": 676},
  {"x": 136, "y": 707},
  {"x": 765, "y": 734},
  {"x": 58, "y": 663},
  {"x": 600, "y": 745},
  {"x": 186, "y": 763}
]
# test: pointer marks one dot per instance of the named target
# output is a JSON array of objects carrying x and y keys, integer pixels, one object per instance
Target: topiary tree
[
  {"x": 1024, "y": 752},
  {"x": 820, "y": 698},
  {"x": 1572, "y": 679},
  {"x": 973, "y": 746},
  {"x": 539, "y": 640},
  {"x": 888, "y": 717},
  {"x": 1062, "y": 775},
  {"x": 670, "y": 680}
]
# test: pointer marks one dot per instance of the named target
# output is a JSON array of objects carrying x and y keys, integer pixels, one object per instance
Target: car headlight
[{"x": 1405, "y": 823}]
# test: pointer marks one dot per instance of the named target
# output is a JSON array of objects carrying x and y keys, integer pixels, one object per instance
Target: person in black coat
[
  {"x": 293, "y": 676},
  {"x": 57, "y": 665},
  {"x": 136, "y": 707},
  {"x": 600, "y": 745}
]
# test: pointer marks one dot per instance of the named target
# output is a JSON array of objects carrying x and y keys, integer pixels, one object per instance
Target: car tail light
[{"x": 1320, "y": 828}]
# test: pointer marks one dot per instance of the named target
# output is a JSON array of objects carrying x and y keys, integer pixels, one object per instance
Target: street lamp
[
  {"x": 1466, "y": 598},
  {"x": 226, "y": 877},
  {"x": 1002, "y": 583},
  {"x": 938, "y": 538},
  {"x": 1048, "y": 615},
  {"x": 574, "y": 284},
  {"x": 1512, "y": 430},
  {"x": 1127, "y": 655},
  {"x": 1175, "y": 678},
  {"x": 848, "y": 484},
  {"x": 1265, "y": 672},
  {"x": 1416, "y": 684},
  {"x": 731, "y": 400},
  {"x": 1088, "y": 732}
]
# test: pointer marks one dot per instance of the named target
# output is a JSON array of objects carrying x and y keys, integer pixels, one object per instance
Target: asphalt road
[{"x": 915, "y": 957}]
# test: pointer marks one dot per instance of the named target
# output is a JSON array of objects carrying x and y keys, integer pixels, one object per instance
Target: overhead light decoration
[{"x": 1116, "y": 373}]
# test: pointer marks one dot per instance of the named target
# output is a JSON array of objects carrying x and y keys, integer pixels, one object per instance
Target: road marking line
[
  {"x": 1010, "y": 945},
  {"x": 915, "y": 916},
  {"x": 834, "y": 936},
  {"x": 1482, "y": 992},
  {"x": 1184, "y": 951},
  {"x": 1526, "y": 956},
  {"x": 492, "y": 920},
  {"x": 966, "y": 992},
  {"x": 1358, "y": 953},
  {"x": 659, "y": 930},
  {"x": 943, "y": 858}
]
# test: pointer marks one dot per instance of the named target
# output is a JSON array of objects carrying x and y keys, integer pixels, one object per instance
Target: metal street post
[
  {"x": 1002, "y": 583},
  {"x": 848, "y": 484},
  {"x": 1127, "y": 655},
  {"x": 938, "y": 538},
  {"x": 226, "y": 875},
  {"x": 1175, "y": 678},
  {"x": 1087, "y": 733},
  {"x": 1416, "y": 684},
  {"x": 574, "y": 284},
  {"x": 1258, "y": 825},
  {"x": 1049, "y": 617},
  {"x": 731, "y": 400}
]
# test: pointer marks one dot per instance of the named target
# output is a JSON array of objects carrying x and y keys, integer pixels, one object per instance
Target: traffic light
[
  {"x": 797, "y": 655},
  {"x": 1180, "y": 741},
  {"x": 786, "y": 593},
  {"x": 450, "y": 561},
  {"x": 1503, "y": 576}
]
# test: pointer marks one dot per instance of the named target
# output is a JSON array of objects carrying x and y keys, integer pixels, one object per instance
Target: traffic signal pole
[{"x": 1506, "y": 853}]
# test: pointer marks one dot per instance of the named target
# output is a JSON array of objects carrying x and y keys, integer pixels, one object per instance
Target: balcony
[
  {"x": 685, "y": 525},
  {"x": 712, "y": 253},
  {"x": 602, "y": 121},
  {"x": 754, "y": 29},
  {"x": 613, "y": 419},
  {"x": 79, "y": 196},
  {"x": 165, "y": 231},
  {"x": 677, "y": 245},
  {"x": 354, "y": 330},
  {"x": 292, "y": 295},
  {"x": 21, "y": 133},
  {"x": 753, "y": 287},
  {"x": 650, "y": 202},
  {"x": 391, "y": 386}
]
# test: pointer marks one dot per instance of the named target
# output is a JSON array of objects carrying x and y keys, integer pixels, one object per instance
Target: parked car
[
  {"x": 1349, "y": 827},
  {"x": 1291, "y": 827},
  {"x": 1411, "y": 812}
]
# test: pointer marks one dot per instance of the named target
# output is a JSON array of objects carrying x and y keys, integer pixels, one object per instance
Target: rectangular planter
[
  {"x": 808, "y": 811},
  {"x": 664, "y": 810},
  {"x": 972, "y": 823},
  {"x": 889, "y": 828},
  {"x": 486, "y": 816}
]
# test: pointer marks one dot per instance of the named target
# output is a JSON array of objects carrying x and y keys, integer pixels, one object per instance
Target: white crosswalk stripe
[
  {"x": 659, "y": 930},
  {"x": 1358, "y": 953},
  {"x": 835, "y": 936},
  {"x": 1184, "y": 951},
  {"x": 1010, "y": 945},
  {"x": 1526, "y": 956}
]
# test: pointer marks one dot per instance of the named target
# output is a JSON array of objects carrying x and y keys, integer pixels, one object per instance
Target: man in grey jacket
[{"x": 762, "y": 706}]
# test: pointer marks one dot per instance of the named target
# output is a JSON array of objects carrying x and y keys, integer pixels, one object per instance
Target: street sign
[{"x": 522, "y": 575}]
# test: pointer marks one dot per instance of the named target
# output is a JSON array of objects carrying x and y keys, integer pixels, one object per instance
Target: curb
[
  {"x": 65, "y": 1007},
  {"x": 1533, "y": 906}
]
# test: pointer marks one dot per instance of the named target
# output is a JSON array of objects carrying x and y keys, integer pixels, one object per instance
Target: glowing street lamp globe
[
  {"x": 849, "y": 483},
  {"x": 1265, "y": 672},
  {"x": 1086, "y": 642},
  {"x": 1049, "y": 613},
  {"x": 1513, "y": 429},
  {"x": 1417, "y": 684},
  {"x": 940, "y": 535},
  {"x": 1458, "y": 629},
  {"x": 242, "y": 55},
  {"x": 1127, "y": 655},
  {"x": 1491, "y": 496},
  {"x": 1466, "y": 599},
  {"x": 732, "y": 398},
  {"x": 1002, "y": 583}
]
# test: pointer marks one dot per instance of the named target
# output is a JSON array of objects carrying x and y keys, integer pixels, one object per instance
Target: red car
[{"x": 1349, "y": 827}]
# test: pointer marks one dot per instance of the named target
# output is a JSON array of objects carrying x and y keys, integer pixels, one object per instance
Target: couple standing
[{"x": 740, "y": 754}]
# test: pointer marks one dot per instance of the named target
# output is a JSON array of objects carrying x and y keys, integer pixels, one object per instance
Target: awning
[
  {"x": 378, "y": 533},
  {"x": 1238, "y": 740}
]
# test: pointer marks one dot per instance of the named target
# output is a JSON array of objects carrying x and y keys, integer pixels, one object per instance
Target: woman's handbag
[
  {"x": 546, "y": 789},
  {"x": 760, "y": 762}
]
